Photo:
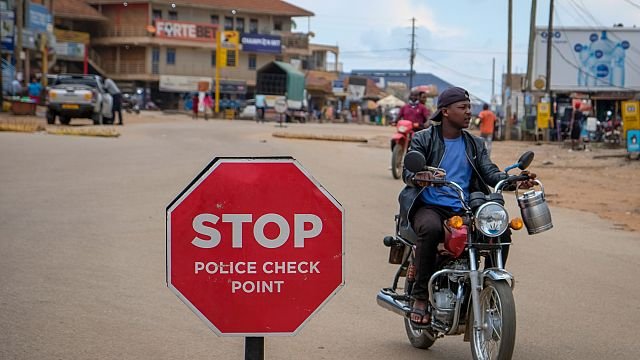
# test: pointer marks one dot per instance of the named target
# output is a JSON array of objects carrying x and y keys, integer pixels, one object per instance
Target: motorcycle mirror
[
  {"x": 525, "y": 160},
  {"x": 414, "y": 161}
]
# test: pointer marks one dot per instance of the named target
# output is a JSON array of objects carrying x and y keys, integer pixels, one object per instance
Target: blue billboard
[
  {"x": 7, "y": 19},
  {"x": 38, "y": 17},
  {"x": 260, "y": 43}
]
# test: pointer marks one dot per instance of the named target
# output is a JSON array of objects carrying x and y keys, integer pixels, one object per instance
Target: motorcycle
[
  {"x": 399, "y": 144},
  {"x": 466, "y": 295}
]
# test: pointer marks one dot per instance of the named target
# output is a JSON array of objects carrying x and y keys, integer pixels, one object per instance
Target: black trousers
[{"x": 428, "y": 225}]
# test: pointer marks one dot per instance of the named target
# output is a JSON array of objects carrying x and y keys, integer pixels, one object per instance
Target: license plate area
[{"x": 70, "y": 106}]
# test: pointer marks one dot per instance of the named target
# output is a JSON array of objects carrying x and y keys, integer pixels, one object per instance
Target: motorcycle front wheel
[
  {"x": 397, "y": 157},
  {"x": 497, "y": 338},
  {"x": 419, "y": 338}
]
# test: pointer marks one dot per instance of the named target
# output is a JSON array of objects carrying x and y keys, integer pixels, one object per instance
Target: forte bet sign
[{"x": 255, "y": 246}]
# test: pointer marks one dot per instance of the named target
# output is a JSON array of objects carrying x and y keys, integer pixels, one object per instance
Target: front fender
[{"x": 499, "y": 274}]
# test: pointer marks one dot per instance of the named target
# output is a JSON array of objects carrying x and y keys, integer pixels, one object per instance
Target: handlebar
[{"x": 510, "y": 180}]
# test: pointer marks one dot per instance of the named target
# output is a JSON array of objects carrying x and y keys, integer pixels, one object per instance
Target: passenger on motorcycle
[
  {"x": 415, "y": 111},
  {"x": 465, "y": 159}
]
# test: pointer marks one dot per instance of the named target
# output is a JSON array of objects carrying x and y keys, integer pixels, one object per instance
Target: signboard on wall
[
  {"x": 38, "y": 17},
  {"x": 71, "y": 50},
  {"x": 588, "y": 60},
  {"x": 7, "y": 21},
  {"x": 261, "y": 43},
  {"x": 173, "y": 83},
  {"x": 185, "y": 31}
]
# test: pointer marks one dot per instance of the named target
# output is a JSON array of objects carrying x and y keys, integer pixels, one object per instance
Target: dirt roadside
[{"x": 601, "y": 181}]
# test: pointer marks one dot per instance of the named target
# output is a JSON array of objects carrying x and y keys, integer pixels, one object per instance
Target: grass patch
[
  {"x": 99, "y": 132},
  {"x": 20, "y": 126}
]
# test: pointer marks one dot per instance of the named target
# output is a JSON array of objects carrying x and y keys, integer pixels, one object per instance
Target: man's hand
[
  {"x": 527, "y": 184},
  {"x": 423, "y": 178}
]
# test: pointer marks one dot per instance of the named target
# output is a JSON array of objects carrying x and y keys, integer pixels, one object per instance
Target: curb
[{"x": 347, "y": 138}]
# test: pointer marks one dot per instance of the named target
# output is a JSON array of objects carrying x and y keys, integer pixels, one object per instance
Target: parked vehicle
[
  {"x": 78, "y": 96},
  {"x": 131, "y": 103},
  {"x": 249, "y": 110},
  {"x": 399, "y": 144},
  {"x": 466, "y": 295}
]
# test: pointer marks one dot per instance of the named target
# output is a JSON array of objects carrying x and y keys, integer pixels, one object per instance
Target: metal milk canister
[{"x": 534, "y": 209}]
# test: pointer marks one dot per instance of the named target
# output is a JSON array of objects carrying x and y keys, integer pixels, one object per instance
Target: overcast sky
[{"x": 456, "y": 39}]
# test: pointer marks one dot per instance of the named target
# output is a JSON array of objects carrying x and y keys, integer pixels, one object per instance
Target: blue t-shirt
[
  {"x": 34, "y": 89},
  {"x": 455, "y": 162}
]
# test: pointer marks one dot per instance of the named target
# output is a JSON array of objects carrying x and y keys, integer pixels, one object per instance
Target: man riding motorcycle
[
  {"x": 465, "y": 159},
  {"x": 415, "y": 111}
]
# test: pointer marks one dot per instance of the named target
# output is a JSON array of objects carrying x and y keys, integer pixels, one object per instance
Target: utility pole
[
  {"x": 17, "y": 49},
  {"x": 493, "y": 82},
  {"x": 413, "y": 51},
  {"x": 509, "y": 90},
  {"x": 528, "y": 102},
  {"x": 532, "y": 39},
  {"x": 548, "y": 75}
]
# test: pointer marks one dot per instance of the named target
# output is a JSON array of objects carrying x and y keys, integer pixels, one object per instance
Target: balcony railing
[
  {"x": 124, "y": 31},
  {"x": 295, "y": 40},
  {"x": 125, "y": 67}
]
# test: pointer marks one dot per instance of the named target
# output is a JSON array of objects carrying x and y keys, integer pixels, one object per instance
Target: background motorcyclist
[
  {"x": 466, "y": 161},
  {"x": 415, "y": 111}
]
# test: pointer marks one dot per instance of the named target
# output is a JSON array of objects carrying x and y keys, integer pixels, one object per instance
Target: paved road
[{"x": 82, "y": 254}]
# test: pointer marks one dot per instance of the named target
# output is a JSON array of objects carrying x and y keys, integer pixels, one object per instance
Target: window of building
[
  {"x": 173, "y": 15},
  {"x": 171, "y": 56},
  {"x": 228, "y": 23},
  {"x": 253, "y": 60},
  {"x": 214, "y": 58},
  {"x": 156, "y": 14},
  {"x": 240, "y": 24},
  {"x": 155, "y": 55},
  {"x": 215, "y": 19},
  {"x": 277, "y": 25},
  {"x": 253, "y": 26}
]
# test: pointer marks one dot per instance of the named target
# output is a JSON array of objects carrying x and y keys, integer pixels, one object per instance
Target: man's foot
[{"x": 419, "y": 314}]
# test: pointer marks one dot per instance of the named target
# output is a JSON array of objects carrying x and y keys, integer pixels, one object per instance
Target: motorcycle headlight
[
  {"x": 402, "y": 129},
  {"x": 492, "y": 219}
]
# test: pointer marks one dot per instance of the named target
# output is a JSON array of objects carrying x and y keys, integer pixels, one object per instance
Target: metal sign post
[{"x": 254, "y": 348}]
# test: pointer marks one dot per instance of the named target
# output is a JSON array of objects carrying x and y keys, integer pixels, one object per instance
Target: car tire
[
  {"x": 97, "y": 119},
  {"x": 65, "y": 120}
]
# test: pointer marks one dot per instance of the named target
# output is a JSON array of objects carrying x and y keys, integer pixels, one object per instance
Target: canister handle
[{"x": 537, "y": 182}]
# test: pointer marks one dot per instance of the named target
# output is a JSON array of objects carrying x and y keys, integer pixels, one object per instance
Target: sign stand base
[{"x": 254, "y": 348}]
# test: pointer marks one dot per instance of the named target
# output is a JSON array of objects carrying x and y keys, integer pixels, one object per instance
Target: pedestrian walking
[
  {"x": 207, "y": 103},
  {"x": 195, "y": 103},
  {"x": 487, "y": 125},
  {"x": 116, "y": 95}
]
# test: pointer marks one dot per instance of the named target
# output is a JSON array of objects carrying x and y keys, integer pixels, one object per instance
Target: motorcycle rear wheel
[
  {"x": 397, "y": 157},
  {"x": 419, "y": 338},
  {"x": 497, "y": 339}
]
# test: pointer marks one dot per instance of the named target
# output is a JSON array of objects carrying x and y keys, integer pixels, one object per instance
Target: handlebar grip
[{"x": 515, "y": 178}]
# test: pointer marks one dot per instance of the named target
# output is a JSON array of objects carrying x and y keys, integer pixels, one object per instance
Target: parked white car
[
  {"x": 249, "y": 111},
  {"x": 78, "y": 96}
]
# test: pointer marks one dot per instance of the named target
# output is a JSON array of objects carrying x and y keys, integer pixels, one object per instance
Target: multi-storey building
[{"x": 167, "y": 45}]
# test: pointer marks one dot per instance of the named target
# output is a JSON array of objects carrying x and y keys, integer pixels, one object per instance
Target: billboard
[
  {"x": 583, "y": 59},
  {"x": 174, "y": 83},
  {"x": 261, "y": 43},
  {"x": 185, "y": 31}
]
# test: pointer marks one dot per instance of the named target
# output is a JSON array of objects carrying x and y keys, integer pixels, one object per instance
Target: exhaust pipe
[{"x": 385, "y": 300}]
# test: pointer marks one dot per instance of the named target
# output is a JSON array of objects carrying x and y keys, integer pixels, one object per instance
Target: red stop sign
[{"x": 255, "y": 246}]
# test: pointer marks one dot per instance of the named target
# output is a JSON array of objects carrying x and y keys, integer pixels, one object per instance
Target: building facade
[{"x": 151, "y": 43}]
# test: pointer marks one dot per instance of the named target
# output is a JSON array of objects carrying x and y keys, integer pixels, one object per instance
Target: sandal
[{"x": 425, "y": 317}]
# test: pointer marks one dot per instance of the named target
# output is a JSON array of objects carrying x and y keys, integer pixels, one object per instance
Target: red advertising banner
[{"x": 185, "y": 31}]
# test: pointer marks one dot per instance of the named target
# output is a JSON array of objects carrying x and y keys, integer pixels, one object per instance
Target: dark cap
[{"x": 449, "y": 96}]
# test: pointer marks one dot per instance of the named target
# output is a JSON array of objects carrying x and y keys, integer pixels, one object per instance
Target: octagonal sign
[{"x": 255, "y": 246}]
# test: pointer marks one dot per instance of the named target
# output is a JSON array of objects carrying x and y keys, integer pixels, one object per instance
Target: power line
[
  {"x": 452, "y": 69},
  {"x": 632, "y": 4}
]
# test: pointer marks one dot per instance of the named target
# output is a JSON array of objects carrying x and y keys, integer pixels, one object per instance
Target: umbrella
[{"x": 390, "y": 101}]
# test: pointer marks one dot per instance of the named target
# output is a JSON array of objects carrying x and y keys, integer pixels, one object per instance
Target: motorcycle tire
[
  {"x": 397, "y": 158},
  {"x": 419, "y": 338},
  {"x": 499, "y": 317}
]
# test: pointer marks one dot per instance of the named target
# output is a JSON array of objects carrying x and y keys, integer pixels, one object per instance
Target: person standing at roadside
[
  {"x": 260, "y": 107},
  {"x": 487, "y": 125},
  {"x": 34, "y": 88},
  {"x": 113, "y": 89}
]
